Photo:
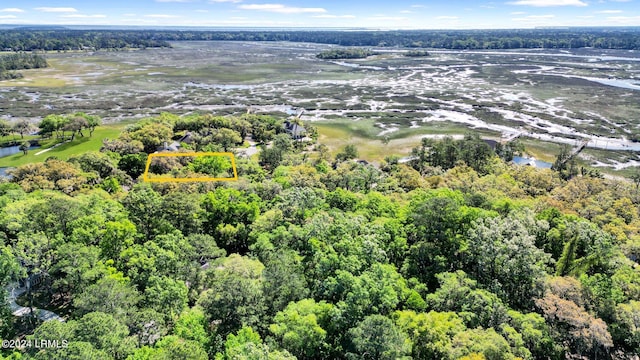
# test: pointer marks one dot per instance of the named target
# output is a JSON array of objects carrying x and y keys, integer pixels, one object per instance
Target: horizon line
[{"x": 307, "y": 28}]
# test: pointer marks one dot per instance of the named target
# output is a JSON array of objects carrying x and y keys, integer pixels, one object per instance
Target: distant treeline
[
  {"x": 65, "y": 40},
  {"x": 601, "y": 38},
  {"x": 350, "y": 53},
  {"x": 416, "y": 53},
  {"x": 19, "y": 61}
]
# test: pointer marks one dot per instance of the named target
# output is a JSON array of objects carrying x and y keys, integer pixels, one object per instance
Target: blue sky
[{"x": 398, "y": 14}]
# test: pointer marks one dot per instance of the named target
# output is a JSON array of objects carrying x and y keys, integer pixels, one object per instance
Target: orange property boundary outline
[{"x": 145, "y": 176}]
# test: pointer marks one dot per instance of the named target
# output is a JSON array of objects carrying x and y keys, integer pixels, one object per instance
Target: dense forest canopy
[
  {"x": 601, "y": 38},
  {"x": 19, "y": 61},
  {"x": 64, "y": 40},
  {"x": 457, "y": 254}
]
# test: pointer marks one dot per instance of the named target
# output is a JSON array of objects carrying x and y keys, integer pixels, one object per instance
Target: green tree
[
  {"x": 111, "y": 295},
  {"x": 247, "y": 345},
  {"x": 299, "y": 328},
  {"x": 283, "y": 280},
  {"x": 226, "y": 215},
  {"x": 431, "y": 333},
  {"x": 53, "y": 124},
  {"x": 480, "y": 341},
  {"x": 565, "y": 164},
  {"x": 227, "y": 138},
  {"x": 101, "y": 164},
  {"x": 24, "y": 147},
  {"x": 145, "y": 209},
  {"x": 166, "y": 295},
  {"x": 104, "y": 332},
  {"x": 22, "y": 127},
  {"x": 92, "y": 122},
  {"x": 175, "y": 348},
  {"x": 587, "y": 249},
  {"x": 436, "y": 226},
  {"x": 10, "y": 270},
  {"x": 150, "y": 134},
  {"x": 75, "y": 125},
  {"x": 477, "y": 307},
  {"x": 5, "y": 128},
  {"x": 211, "y": 165},
  {"x": 503, "y": 257},
  {"x": 535, "y": 334},
  {"x": 133, "y": 164},
  {"x": 627, "y": 326},
  {"x": 234, "y": 296},
  {"x": 118, "y": 235},
  {"x": 348, "y": 153},
  {"x": 77, "y": 266},
  {"x": 377, "y": 337},
  {"x": 182, "y": 210},
  {"x": 192, "y": 325}
]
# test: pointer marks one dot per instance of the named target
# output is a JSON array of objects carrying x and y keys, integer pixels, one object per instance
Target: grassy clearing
[
  {"x": 78, "y": 146},
  {"x": 337, "y": 138},
  {"x": 545, "y": 151},
  {"x": 364, "y": 135},
  {"x": 16, "y": 137}
]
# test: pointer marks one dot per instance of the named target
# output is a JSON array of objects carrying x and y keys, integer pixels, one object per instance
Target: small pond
[
  {"x": 527, "y": 161},
  {"x": 10, "y": 150}
]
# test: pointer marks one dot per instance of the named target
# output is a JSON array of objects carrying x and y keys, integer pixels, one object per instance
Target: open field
[{"x": 551, "y": 97}]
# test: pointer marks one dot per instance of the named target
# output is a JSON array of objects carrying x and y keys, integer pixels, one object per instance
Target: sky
[{"x": 379, "y": 14}]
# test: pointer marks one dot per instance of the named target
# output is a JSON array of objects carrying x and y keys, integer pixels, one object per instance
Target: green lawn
[{"x": 78, "y": 146}]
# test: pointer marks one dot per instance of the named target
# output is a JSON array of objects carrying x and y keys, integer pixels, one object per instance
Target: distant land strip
[{"x": 65, "y": 39}]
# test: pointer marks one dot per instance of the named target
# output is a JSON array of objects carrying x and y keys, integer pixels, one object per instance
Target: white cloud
[
  {"x": 518, "y": 13},
  {"x": 548, "y": 3},
  {"x": 202, "y": 11},
  {"x": 282, "y": 9},
  {"x": 15, "y": 10},
  {"x": 81, "y": 16},
  {"x": 328, "y": 16},
  {"x": 8, "y": 16},
  {"x": 387, "y": 18},
  {"x": 624, "y": 19},
  {"x": 534, "y": 18},
  {"x": 610, "y": 12},
  {"x": 56, "y": 9},
  {"x": 406, "y": 12},
  {"x": 161, "y": 16}
]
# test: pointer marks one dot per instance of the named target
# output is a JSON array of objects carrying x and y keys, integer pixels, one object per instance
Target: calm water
[
  {"x": 3, "y": 172},
  {"x": 6, "y": 151},
  {"x": 538, "y": 163}
]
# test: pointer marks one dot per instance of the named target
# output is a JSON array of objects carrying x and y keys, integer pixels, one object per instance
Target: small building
[
  {"x": 175, "y": 146},
  {"x": 294, "y": 130}
]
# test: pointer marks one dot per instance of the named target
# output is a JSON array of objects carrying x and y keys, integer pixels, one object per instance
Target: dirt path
[
  {"x": 251, "y": 150},
  {"x": 53, "y": 147},
  {"x": 17, "y": 310}
]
